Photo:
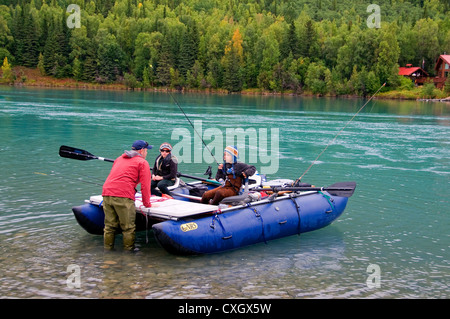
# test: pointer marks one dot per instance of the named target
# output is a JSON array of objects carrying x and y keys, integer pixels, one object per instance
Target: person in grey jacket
[{"x": 164, "y": 171}]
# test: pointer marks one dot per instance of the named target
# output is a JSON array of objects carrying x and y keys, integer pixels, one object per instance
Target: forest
[{"x": 317, "y": 46}]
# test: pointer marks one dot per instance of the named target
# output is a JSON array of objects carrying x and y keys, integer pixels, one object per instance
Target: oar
[
  {"x": 200, "y": 179},
  {"x": 82, "y": 155},
  {"x": 79, "y": 154},
  {"x": 342, "y": 189},
  {"x": 196, "y": 198}
]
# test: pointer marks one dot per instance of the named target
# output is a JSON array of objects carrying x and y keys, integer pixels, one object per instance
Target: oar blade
[
  {"x": 342, "y": 189},
  {"x": 75, "y": 153}
]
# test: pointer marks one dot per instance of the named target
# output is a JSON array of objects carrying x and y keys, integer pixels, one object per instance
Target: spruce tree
[
  {"x": 293, "y": 41},
  {"x": 50, "y": 50},
  {"x": 164, "y": 65},
  {"x": 188, "y": 50},
  {"x": 57, "y": 49},
  {"x": 18, "y": 20},
  {"x": 30, "y": 40},
  {"x": 90, "y": 64},
  {"x": 110, "y": 57}
]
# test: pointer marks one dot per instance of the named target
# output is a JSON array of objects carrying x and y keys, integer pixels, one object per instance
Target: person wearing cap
[
  {"x": 233, "y": 172},
  {"x": 164, "y": 170},
  {"x": 119, "y": 191}
]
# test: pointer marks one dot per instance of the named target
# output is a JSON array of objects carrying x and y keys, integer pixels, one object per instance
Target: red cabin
[
  {"x": 442, "y": 69},
  {"x": 415, "y": 73}
]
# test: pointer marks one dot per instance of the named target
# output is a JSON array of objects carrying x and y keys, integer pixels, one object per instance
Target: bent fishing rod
[
  {"x": 336, "y": 136},
  {"x": 176, "y": 102}
]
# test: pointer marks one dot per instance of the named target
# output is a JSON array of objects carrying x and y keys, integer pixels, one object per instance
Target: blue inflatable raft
[{"x": 182, "y": 225}]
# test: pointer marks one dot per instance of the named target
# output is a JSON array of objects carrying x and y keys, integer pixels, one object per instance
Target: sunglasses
[{"x": 165, "y": 151}]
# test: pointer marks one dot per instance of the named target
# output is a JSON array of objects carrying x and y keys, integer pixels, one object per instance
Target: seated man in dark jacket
[
  {"x": 233, "y": 172},
  {"x": 164, "y": 171}
]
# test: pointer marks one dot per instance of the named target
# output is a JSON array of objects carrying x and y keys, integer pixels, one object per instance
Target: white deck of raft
[
  {"x": 165, "y": 208},
  {"x": 169, "y": 208}
]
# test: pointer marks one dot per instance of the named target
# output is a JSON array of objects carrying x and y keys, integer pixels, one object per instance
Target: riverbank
[{"x": 28, "y": 77}]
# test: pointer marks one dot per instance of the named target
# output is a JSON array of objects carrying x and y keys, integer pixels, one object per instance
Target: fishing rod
[
  {"x": 332, "y": 141},
  {"x": 176, "y": 102}
]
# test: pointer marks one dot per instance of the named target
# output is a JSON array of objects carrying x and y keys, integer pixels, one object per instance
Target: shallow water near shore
[{"x": 397, "y": 152}]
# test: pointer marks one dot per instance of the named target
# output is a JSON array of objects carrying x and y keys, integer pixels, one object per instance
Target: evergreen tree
[
  {"x": 195, "y": 77},
  {"x": 50, "y": 49},
  {"x": 90, "y": 65},
  {"x": 292, "y": 40},
  {"x": 110, "y": 57},
  {"x": 308, "y": 41},
  {"x": 17, "y": 22},
  {"x": 56, "y": 49},
  {"x": 30, "y": 40},
  {"x": 164, "y": 65},
  {"x": 214, "y": 77},
  {"x": 188, "y": 50},
  {"x": 44, "y": 33}
]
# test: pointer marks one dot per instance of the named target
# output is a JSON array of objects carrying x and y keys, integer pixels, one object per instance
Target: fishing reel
[{"x": 208, "y": 172}]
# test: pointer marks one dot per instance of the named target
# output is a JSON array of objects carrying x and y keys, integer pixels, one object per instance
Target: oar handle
[{"x": 105, "y": 159}]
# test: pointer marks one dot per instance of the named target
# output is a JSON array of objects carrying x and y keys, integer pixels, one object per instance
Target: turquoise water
[{"x": 398, "y": 220}]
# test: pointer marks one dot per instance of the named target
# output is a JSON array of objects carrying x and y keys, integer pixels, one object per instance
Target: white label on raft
[{"x": 189, "y": 227}]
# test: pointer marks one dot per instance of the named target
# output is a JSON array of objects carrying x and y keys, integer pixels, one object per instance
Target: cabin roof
[
  {"x": 445, "y": 58},
  {"x": 409, "y": 70}
]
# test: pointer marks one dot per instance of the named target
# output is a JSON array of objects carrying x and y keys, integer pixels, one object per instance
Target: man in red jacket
[{"x": 119, "y": 190}]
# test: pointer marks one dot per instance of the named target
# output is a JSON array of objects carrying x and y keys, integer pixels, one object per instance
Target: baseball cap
[{"x": 140, "y": 144}]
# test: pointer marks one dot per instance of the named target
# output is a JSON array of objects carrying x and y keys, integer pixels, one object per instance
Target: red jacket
[{"x": 127, "y": 172}]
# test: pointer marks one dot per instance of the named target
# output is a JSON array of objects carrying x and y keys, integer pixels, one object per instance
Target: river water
[{"x": 392, "y": 241}]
